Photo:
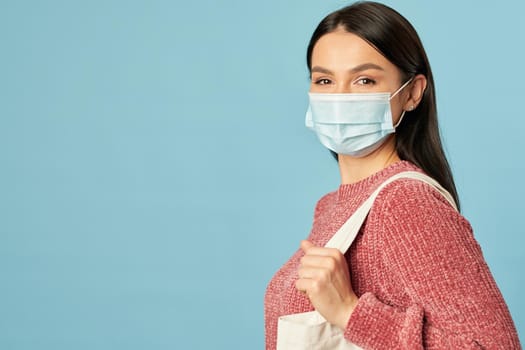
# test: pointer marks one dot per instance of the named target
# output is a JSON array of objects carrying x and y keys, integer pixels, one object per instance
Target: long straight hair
[{"x": 417, "y": 137}]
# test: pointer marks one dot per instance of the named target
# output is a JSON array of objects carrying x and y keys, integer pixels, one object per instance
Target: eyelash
[
  {"x": 323, "y": 81},
  {"x": 369, "y": 81},
  {"x": 361, "y": 81}
]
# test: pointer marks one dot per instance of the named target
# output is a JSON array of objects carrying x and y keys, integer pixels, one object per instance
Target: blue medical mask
[{"x": 354, "y": 124}]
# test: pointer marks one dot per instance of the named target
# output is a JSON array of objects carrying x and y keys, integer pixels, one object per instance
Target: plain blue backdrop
[{"x": 155, "y": 170}]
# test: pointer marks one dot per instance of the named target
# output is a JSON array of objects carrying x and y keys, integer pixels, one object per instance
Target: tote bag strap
[{"x": 344, "y": 237}]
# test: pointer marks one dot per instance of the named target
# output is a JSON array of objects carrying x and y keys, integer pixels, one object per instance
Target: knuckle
[
  {"x": 316, "y": 287},
  {"x": 331, "y": 263},
  {"x": 338, "y": 256},
  {"x": 334, "y": 252},
  {"x": 302, "y": 260},
  {"x": 324, "y": 276}
]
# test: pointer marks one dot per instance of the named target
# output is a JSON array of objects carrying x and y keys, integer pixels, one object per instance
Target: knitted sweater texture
[{"x": 419, "y": 273}]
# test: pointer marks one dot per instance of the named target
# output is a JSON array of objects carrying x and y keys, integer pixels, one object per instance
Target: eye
[
  {"x": 323, "y": 81},
  {"x": 365, "y": 81}
]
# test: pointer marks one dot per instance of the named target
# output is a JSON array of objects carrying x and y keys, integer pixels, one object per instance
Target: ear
[{"x": 417, "y": 88}]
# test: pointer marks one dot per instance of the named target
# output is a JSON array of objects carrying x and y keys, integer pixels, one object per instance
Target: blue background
[{"x": 155, "y": 170}]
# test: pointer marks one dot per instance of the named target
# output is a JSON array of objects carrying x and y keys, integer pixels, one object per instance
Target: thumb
[{"x": 305, "y": 245}]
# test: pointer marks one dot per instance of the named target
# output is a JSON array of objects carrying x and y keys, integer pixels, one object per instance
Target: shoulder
[
  {"x": 412, "y": 194},
  {"x": 411, "y": 219},
  {"x": 407, "y": 205}
]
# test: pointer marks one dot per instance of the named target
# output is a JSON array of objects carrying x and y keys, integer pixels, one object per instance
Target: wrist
[{"x": 346, "y": 311}]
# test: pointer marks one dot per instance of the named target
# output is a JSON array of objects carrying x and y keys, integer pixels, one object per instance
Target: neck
[{"x": 355, "y": 169}]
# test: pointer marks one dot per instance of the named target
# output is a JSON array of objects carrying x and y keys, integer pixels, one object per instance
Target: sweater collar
[{"x": 347, "y": 191}]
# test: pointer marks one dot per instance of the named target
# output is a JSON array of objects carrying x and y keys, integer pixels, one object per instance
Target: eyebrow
[{"x": 356, "y": 69}]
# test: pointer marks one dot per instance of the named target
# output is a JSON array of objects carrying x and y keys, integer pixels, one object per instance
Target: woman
[{"x": 414, "y": 277}]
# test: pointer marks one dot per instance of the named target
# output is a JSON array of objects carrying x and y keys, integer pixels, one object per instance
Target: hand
[{"x": 325, "y": 279}]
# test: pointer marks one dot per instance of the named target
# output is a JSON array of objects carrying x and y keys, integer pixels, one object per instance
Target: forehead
[{"x": 341, "y": 50}]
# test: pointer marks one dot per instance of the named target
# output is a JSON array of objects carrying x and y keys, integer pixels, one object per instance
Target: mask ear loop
[
  {"x": 394, "y": 94},
  {"x": 401, "y": 88},
  {"x": 400, "y": 119}
]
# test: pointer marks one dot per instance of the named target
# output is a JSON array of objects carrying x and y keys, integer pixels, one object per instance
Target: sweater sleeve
[{"x": 451, "y": 300}]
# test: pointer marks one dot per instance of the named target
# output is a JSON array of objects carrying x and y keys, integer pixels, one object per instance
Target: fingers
[
  {"x": 306, "y": 245},
  {"x": 318, "y": 265},
  {"x": 307, "y": 286},
  {"x": 327, "y": 262},
  {"x": 319, "y": 262},
  {"x": 312, "y": 280},
  {"x": 311, "y": 249},
  {"x": 313, "y": 273},
  {"x": 324, "y": 278}
]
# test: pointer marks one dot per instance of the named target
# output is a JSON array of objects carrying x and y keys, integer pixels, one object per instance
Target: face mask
[{"x": 355, "y": 124}]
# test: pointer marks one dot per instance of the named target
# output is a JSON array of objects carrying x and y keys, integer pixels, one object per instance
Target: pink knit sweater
[{"x": 419, "y": 273}]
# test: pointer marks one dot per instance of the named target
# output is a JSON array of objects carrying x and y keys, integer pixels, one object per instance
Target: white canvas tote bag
[{"x": 309, "y": 330}]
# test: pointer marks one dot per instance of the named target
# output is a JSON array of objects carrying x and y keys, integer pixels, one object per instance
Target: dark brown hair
[{"x": 417, "y": 137}]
